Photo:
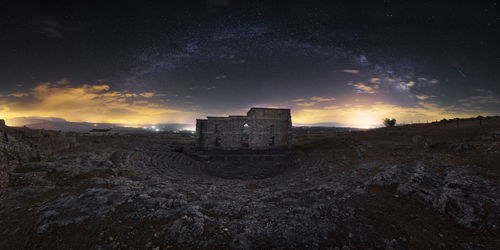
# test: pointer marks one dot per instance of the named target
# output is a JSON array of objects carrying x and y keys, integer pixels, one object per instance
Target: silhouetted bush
[
  {"x": 389, "y": 122},
  {"x": 480, "y": 118}
]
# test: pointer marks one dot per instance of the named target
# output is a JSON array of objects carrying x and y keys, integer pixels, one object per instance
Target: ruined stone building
[{"x": 261, "y": 128}]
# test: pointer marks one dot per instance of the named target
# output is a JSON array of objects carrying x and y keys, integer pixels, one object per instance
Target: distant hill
[
  {"x": 52, "y": 123},
  {"x": 320, "y": 130},
  {"x": 21, "y": 121},
  {"x": 321, "y": 124}
]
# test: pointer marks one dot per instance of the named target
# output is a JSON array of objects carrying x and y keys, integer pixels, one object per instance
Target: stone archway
[{"x": 245, "y": 135}]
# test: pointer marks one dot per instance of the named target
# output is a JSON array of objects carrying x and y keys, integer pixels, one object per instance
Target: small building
[
  {"x": 102, "y": 132},
  {"x": 261, "y": 128}
]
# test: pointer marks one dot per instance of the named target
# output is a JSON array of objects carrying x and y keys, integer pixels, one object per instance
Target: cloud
[
  {"x": 52, "y": 29},
  {"x": 372, "y": 115},
  {"x": 425, "y": 80},
  {"x": 351, "y": 71},
  {"x": 18, "y": 94},
  {"x": 361, "y": 60},
  {"x": 391, "y": 81},
  {"x": 211, "y": 87},
  {"x": 240, "y": 61},
  {"x": 305, "y": 104},
  {"x": 364, "y": 89},
  {"x": 220, "y": 77},
  {"x": 402, "y": 87},
  {"x": 484, "y": 91},
  {"x": 422, "y": 97},
  {"x": 322, "y": 99},
  {"x": 63, "y": 81},
  {"x": 147, "y": 94},
  {"x": 486, "y": 99},
  {"x": 90, "y": 103}
]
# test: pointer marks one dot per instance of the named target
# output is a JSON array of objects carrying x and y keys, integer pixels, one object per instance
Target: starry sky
[{"x": 339, "y": 63}]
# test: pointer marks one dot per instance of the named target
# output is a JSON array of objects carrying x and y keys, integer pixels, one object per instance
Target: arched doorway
[{"x": 245, "y": 135}]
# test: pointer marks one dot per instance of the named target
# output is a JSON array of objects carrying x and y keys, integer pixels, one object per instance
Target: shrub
[{"x": 389, "y": 122}]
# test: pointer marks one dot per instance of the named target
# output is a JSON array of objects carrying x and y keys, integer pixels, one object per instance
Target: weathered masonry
[{"x": 261, "y": 128}]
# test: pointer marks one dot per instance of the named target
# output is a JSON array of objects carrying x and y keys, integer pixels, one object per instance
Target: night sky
[{"x": 349, "y": 63}]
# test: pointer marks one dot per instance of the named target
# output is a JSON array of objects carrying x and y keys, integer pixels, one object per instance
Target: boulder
[
  {"x": 484, "y": 137},
  {"x": 417, "y": 139},
  {"x": 459, "y": 147},
  {"x": 4, "y": 137},
  {"x": 495, "y": 134},
  {"x": 449, "y": 189},
  {"x": 359, "y": 149}
]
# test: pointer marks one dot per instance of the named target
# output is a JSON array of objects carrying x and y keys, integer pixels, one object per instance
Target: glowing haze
[
  {"x": 89, "y": 103},
  {"x": 100, "y": 104}
]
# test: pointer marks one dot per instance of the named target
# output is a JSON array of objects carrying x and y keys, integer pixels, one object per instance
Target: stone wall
[
  {"x": 26, "y": 145},
  {"x": 261, "y": 128}
]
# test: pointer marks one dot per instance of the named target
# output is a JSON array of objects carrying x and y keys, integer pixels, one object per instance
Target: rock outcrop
[
  {"x": 22, "y": 145},
  {"x": 469, "y": 200},
  {"x": 358, "y": 190}
]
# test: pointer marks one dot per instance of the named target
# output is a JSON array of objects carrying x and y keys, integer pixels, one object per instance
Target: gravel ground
[{"x": 348, "y": 191}]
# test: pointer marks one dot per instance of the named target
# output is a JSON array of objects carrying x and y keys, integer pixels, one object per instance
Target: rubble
[
  {"x": 140, "y": 192},
  {"x": 459, "y": 147},
  {"x": 469, "y": 200}
]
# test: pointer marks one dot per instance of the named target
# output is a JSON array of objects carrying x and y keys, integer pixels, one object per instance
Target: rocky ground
[{"x": 420, "y": 186}]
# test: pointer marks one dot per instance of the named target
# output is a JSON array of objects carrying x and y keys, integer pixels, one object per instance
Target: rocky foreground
[{"x": 420, "y": 186}]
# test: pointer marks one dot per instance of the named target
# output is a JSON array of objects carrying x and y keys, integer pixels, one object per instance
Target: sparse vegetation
[
  {"x": 480, "y": 118},
  {"x": 389, "y": 122}
]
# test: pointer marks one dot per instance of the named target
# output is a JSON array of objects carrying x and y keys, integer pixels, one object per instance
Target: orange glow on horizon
[
  {"x": 89, "y": 103},
  {"x": 371, "y": 116},
  {"x": 100, "y": 104}
]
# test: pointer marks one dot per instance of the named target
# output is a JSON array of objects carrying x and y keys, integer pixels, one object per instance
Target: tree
[
  {"x": 480, "y": 118},
  {"x": 389, "y": 122}
]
